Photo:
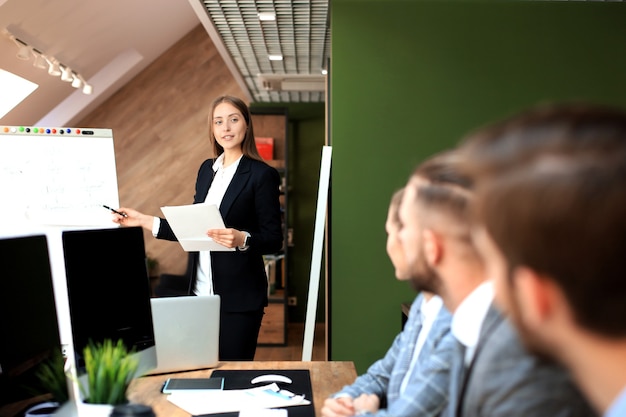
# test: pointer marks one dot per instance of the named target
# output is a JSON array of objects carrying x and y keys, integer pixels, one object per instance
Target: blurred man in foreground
[{"x": 551, "y": 223}]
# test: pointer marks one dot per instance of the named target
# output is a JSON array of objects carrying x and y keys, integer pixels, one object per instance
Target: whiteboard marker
[{"x": 115, "y": 211}]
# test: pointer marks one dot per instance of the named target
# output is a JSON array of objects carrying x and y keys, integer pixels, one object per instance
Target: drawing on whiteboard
[{"x": 57, "y": 180}]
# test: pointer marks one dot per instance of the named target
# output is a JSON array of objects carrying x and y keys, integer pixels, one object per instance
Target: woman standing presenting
[{"x": 246, "y": 190}]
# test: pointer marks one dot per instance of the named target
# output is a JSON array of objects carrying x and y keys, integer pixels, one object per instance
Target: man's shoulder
[
  {"x": 502, "y": 347},
  {"x": 511, "y": 375},
  {"x": 501, "y": 336}
]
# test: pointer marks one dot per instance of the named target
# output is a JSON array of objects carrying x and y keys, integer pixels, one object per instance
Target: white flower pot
[{"x": 93, "y": 410}]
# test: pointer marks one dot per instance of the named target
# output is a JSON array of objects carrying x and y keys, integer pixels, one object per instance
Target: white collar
[
  {"x": 218, "y": 164},
  {"x": 470, "y": 314},
  {"x": 430, "y": 308}
]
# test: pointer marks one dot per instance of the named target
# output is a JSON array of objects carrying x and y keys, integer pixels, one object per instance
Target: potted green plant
[
  {"x": 110, "y": 369},
  {"x": 51, "y": 384},
  {"x": 52, "y": 376}
]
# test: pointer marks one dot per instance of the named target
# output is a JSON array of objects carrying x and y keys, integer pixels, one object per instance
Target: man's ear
[
  {"x": 433, "y": 250},
  {"x": 535, "y": 295}
]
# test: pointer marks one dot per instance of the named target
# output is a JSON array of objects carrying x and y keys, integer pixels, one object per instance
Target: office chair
[{"x": 173, "y": 285}]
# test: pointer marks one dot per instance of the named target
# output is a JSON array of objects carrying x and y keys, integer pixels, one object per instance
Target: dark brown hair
[
  {"x": 248, "y": 146},
  {"x": 551, "y": 192},
  {"x": 548, "y": 128}
]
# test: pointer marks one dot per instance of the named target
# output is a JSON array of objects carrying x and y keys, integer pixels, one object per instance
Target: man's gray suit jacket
[{"x": 505, "y": 380}]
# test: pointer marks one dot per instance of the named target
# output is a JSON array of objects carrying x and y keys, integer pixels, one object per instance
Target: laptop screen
[{"x": 186, "y": 331}]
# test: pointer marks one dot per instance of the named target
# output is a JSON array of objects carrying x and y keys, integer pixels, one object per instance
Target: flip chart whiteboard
[
  {"x": 51, "y": 180},
  {"x": 316, "y": 257},
  {"x": 56, "y": 177}
]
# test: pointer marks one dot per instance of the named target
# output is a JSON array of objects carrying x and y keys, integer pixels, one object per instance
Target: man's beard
[{"x": 425, "y": 278}]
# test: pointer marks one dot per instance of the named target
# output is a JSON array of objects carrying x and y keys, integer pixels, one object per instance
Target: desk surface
[{"x": 326, "y": 379}]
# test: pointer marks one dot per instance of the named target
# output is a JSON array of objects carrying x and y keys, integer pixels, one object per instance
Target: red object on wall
[{"x": 265, "y": 146}]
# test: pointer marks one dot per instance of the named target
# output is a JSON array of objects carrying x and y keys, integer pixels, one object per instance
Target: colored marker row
[{"x": 23, "y": 129}]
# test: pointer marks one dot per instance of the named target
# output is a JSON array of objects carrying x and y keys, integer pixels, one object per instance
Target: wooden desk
[{"x": 326, "y": 379}]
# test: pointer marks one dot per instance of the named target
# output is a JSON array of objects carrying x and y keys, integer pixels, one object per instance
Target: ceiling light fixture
[
  {"x": 276, "y": 57},
  {"x": 267, "y": 16},
  {"x": 66, "y": 74},
  {"x": 43, "y": 61},
  {"x": 76, "y": 81},
  {"x": 40, "y": 60},
  {"x": 87, "y": 89},
  {"x": 79, "y": 82},
  {"x": 292, "y": 82},
  {"x": 23, "y": 51},
  {"x": 53, "y": 67}
]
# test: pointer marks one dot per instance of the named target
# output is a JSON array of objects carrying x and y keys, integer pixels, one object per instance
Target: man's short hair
[
  {"x": 551, "y": 192},
  {"x": 394, "y": 206},
  {"x": 443, "y": 189}
]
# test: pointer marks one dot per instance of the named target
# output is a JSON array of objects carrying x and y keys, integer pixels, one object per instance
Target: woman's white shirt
[{"x": 221, "y": 180}]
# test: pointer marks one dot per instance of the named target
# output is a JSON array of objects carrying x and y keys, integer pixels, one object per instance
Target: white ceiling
[{"x": 109, "y": 42}]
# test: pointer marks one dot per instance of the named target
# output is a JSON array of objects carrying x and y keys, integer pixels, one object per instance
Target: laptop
[{"x": 186, "y": 332}]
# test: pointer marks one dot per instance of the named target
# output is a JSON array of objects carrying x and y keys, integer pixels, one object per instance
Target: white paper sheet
[
  {"x": 225, "y": 401},
  {"x": 264, "y": 412},
  {"x": 190, "y": 224}
]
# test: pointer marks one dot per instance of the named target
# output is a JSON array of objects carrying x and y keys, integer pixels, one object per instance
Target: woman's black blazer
[{"x": 251, "y": 204}]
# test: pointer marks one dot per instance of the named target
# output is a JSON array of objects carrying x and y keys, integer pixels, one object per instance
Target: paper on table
[
  {"x": 264, "y": 412},
  {"x": 225, "y": 401},
  {"x": 190, "y": 223}
]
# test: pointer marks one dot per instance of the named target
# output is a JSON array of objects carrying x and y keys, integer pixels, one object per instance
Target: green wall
[
  {"x": 306, "y": 139},
  {"x": 409, "y": 78}
]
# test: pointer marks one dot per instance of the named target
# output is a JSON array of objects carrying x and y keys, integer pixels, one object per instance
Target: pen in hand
[{"x": 115, "y": 211}]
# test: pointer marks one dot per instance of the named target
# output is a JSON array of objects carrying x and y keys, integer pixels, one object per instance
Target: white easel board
[
  {"x": 316, "y": 256},
  {"x": 56, "y": 177}
]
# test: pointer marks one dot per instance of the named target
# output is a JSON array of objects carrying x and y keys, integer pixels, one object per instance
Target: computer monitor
[
  {"x": 108, "y": 290},
  {"x": 29, "y": 331}
]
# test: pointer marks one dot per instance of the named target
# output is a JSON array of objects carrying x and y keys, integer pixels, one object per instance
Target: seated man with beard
[
  {"x": 492, "y": 374},
  {"x": 412, "y": 378}
]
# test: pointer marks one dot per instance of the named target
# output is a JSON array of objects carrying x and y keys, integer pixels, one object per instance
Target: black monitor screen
[
  {"x": 29, "y": 333},
  {"x": 108, "y": 288}
]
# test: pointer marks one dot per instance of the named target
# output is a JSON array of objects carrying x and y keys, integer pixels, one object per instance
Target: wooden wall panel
[{"x": 159, "y": 122}]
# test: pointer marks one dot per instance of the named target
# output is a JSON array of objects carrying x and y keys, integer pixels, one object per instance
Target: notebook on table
[
  {"x": 186, "y": 332},
  {"x": 241, "y": 379}
]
